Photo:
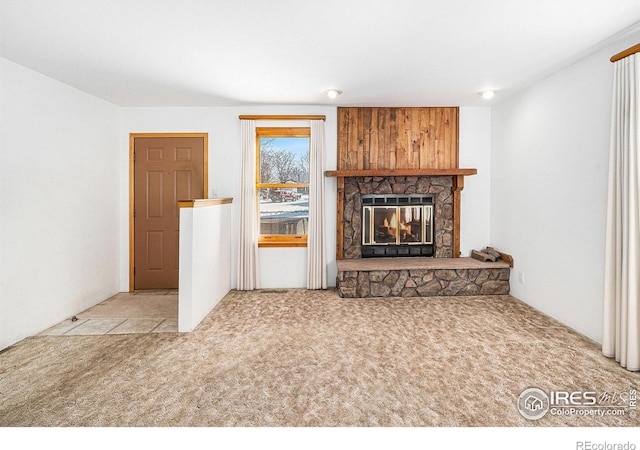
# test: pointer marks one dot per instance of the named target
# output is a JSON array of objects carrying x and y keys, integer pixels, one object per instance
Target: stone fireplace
[
  {"x": 399, "y": 187},
  {"x": 435, "y": 199}
]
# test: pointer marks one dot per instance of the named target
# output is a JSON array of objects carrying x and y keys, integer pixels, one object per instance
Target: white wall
[
  {"x": 549, "y": 168},
  {"x": 475, "y": 153},
  {"x": 59, "y": 201},
  {"x": 205, "y": 262},
  {"x": 284, "y": 268}
]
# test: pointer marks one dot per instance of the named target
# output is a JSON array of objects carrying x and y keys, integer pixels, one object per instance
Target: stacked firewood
[{"x": 490, "y": 254}]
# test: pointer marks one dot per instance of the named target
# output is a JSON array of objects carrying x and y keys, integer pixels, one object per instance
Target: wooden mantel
[
  {"x": 458, "y": 184},
  {"x": 401, "y": 173}
]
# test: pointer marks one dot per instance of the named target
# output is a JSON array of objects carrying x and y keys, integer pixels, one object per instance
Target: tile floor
[{"x": 125, "y": 313}]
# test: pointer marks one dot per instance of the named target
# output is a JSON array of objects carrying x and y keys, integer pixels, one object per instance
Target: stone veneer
[
  {"x": 423, "y": 282},
  {"x": 440, "y": 186}
]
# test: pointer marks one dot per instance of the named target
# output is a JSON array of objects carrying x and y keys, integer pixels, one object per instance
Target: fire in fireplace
[{"x": 397, "y": 225}]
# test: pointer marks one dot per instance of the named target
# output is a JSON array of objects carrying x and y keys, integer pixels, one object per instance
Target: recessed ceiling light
[
  {"x": 333, "y": 93},
  {"x": 487, "y": 94}
]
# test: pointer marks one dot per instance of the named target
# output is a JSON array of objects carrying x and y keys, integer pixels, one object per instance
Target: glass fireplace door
[
  {"x": 397, "y": 225},
  {"x": 410, "y": 226}
]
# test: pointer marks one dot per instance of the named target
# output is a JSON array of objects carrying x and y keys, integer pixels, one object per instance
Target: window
[{"x": 282, "y": 184}]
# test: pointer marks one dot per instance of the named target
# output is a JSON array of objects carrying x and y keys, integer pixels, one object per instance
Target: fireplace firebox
[{"x": 397, "y": 225}]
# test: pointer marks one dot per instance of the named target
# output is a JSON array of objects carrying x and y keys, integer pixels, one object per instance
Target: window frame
[{"x": 278, "y": 240}]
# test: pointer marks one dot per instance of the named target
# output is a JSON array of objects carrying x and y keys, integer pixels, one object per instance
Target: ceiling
[{"x": 239, "y": 52}]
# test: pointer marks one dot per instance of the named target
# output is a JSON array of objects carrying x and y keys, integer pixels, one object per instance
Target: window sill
[{"x": 282, "y": 241}]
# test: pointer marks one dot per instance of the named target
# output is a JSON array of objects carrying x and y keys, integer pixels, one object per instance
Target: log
[
  {"x": 482, "y": 256},
  {"x": 492, "y": 251},
  {"x": 501, "y": 256}
]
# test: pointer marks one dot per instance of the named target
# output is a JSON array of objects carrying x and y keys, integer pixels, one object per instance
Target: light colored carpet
[{"x": 310, "y": 358}]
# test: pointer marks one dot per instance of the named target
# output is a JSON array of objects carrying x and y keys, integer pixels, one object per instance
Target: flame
[
  {"x": 393, "y": 224},
  {"x": 394, "y": 221},
  {"x": 398, "y": 223}
]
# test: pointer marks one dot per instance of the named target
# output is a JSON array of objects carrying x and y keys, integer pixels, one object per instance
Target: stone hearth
[{"x": 421, "y": 277}]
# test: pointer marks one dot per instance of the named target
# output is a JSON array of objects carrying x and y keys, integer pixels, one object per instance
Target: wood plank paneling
[
  {"x": 366, "y": 131},
  {"x": 397, "y": 138},
  {"x": 360, "y": 136},
  {"x": 343, "y": 139},
  {"x": 373, "y": 148},
  {"x": 382, "y": 141}
]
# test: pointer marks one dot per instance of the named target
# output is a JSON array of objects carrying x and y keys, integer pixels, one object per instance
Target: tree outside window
[{"x": 282, "y": 183}]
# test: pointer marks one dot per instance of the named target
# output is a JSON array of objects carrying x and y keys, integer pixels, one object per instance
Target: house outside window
[{"x": 282, "y": 184}]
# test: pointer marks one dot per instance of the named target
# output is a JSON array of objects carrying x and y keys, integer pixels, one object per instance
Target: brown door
[{"x": 166, "y": 169}]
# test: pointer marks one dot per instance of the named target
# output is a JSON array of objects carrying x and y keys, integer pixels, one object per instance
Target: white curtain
[
  {"x": 248, "y": 270},
  {"x": 621, "y": 338},
  {"x": 316, "y": 261}
]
